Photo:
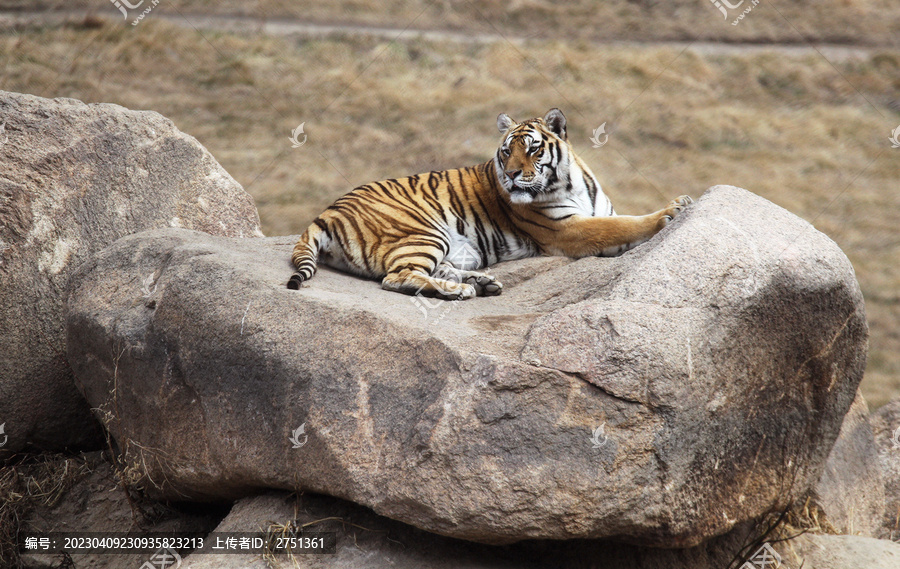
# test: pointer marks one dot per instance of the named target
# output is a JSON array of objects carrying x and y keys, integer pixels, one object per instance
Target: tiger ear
[
  {"x": 504, "y": 122},
  {"x": 556, "y": 121}
]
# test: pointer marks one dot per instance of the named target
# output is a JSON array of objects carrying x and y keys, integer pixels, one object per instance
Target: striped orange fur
[{"x": 430, "y": 233}]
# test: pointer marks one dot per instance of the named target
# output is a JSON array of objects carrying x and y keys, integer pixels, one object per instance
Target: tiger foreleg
[{"x": 607, "y": 236}]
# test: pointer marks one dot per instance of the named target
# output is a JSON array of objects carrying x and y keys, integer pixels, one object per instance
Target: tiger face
[{"x": 533, "y": 158}]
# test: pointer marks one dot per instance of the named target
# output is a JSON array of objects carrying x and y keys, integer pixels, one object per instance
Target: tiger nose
[{"x": 511, "y": 174}]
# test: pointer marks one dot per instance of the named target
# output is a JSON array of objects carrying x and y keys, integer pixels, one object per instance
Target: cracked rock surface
[{"x": 660, "y": 397}]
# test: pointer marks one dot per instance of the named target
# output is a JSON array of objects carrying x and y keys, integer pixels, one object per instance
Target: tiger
[{"x": 430, "y": 234}]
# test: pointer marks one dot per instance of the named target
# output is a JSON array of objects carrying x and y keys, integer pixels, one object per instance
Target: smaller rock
[
  {"x": 851, "y": 488},
  {"x": 251, "y": 514},
  {"x": 366, "y": 540},
  {"x": 838, "y": 552},
  {"x": 886, "y": 427}
]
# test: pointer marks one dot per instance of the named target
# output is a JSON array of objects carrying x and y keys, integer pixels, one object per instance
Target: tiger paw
[
  {"x": 461, "y": 291},
  {"x": 675, "y": 207},
  {"x": 485, "y": 285}
]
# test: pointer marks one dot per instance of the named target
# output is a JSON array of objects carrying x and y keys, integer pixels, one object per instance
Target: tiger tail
[{"x": 306, "y": 255}]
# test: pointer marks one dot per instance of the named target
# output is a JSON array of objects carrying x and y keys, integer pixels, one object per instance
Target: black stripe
[
  {"x": 592, "y": 187},
  {"x": 402, "y": 188},
  {"x": 529, "y": 221},
  {"x": 384, "y": 189},
  {"x": 362, "y": 240},
  {"x": 457, "y": 206},
  {"x": 496, "y": 236},
  {"x": 433, "y": 182},
  {"x": 435, "y": 204},
  {"x": 407, "y": 205}
]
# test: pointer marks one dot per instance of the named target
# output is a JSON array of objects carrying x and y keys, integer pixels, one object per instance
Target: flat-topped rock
[{"x": 661, "y": 397}]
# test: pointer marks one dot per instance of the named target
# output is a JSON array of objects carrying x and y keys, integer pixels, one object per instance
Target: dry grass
[
  {"x": 40, "y": 480},
  {"x": 785, "y": 526},
  {"x": 808, "y": 518},
  {"x": 870, "y": 22},
  {"x": 806, "y": 134},
  {"x": 801, "y": 519}
]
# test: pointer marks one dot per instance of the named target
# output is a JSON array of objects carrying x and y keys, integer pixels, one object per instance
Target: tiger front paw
[
  {"x": 454, "y": 291},
  {"x": 675, "y": 207},
  {"x": 485, "y": 285}
]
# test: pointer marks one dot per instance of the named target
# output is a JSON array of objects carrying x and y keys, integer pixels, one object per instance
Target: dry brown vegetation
[
  {"x": 809, "y": 134},
  {"x": 39, "y": 480},
  {"x": 869, "y": 22}
]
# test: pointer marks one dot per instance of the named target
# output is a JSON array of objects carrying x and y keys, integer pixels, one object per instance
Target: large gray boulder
[
  {"x": 73, "y": 179},
  {"x": 663, "y": 396}
]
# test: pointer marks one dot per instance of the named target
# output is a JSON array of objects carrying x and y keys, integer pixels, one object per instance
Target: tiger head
[{"x": 533, "y": 161}]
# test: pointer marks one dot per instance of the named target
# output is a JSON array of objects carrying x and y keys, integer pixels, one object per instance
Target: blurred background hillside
[{"x": 795, "y": 102}]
